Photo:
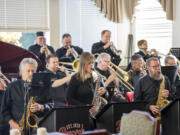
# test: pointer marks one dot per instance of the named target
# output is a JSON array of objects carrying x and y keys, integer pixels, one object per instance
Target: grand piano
[{"x": 10, "y": 58}]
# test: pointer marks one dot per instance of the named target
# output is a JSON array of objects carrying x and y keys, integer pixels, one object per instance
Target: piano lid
[{"x": 11, "y": 56}]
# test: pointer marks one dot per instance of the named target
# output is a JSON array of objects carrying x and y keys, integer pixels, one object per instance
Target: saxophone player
[
  {"x": 68, "y": 52},
  {"x": 148, "y": 87},
  {"x": 13, "y": 99},
  {"x": 107, "y": 47}
]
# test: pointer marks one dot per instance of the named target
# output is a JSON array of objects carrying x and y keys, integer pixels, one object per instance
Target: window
[
  {"x": 20, "y": 15},
  {"x": 152, "y": 25},
  {"x": 83, "y": 20}
]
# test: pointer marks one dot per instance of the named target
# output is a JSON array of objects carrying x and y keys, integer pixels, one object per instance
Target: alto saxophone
[
  {"x": 98, "y": 101},
  {"x": 31, "y": 119},
  {"x": 161, "y": 102}
]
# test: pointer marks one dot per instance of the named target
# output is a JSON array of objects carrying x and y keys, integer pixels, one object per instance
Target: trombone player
[
  {"x": 111, "y": 82},
  {"x": 13, "y": 100},
  {"x": 68, "y": 52},
  {"x": 107, "y": 47}
]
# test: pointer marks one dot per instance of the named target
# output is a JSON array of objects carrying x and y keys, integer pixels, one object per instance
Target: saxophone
[
  {"x": 31, "y": 119},
  {"x": 98, "y": 101},
  {"x": 161, "y": 102}
]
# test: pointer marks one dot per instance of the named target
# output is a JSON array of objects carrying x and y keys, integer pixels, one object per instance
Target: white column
[{"x": 54, "y": 23}]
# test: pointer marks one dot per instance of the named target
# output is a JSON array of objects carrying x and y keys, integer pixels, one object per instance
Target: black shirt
[
  {"x": 61, "y": 52},
  {"x": 134, "y": 77},
  {"x": 80, "y": 93},
  {"x": 13, "y": 102},
  {"x": 147, "y": 90},
  {"x": 98, "y": 48},
  {"x": 58, "y": 94},
  {"x": 36, "y": 50}
]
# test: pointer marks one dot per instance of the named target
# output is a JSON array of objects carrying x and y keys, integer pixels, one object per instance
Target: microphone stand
[{"x": 26, "y": 91}]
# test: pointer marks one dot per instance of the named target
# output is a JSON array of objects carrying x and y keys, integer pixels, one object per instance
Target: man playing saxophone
[
  {"x": 148, "y": 87},
  {"x": 13, "y": 99}
]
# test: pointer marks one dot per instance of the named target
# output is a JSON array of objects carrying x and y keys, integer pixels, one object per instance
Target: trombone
[
  {"x": 120, "y": 78},
  {"x": 75, "y": 64}
]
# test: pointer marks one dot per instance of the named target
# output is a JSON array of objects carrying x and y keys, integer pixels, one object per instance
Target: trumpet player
[
  {"x": 106, "y": 46},
  {"x": 12, "y": 108},
  {"x": 111, "y": 83},
  {"x": 41, "y": 49},
  {"x": 68, "y": 52},
  {"x": 60, "y": 77},
  {"x": 148, "y": 87}
]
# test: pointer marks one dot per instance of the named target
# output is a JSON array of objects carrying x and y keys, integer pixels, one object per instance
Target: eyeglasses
[
  {"x": 107, "y": 61},
  {"x": 156, "y": 66}
]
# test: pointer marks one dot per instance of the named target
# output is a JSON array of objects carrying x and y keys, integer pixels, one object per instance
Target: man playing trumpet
[
  {"x": 69, "y": 52},
  {"x": 41, "y": 49},
  {"x": 148, "y": 87},
  {"x": 60, "y": 77},
  {"x": 105, "y": 45}
]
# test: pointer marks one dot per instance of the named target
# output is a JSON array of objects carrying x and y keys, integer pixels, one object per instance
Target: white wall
[{"x": 176, "y": 25}]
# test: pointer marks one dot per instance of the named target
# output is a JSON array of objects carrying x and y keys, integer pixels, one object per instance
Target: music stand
[
  {"x": 40, "y": 84},
  {"x": 175, "y": 52},
  {"x": 170, "y": 72}
]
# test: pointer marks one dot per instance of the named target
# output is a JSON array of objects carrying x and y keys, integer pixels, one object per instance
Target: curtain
[
  {"x": 168, "y": 8},
  {"x": 112, "y": 9},
  {"x": 115, "y": 10}
]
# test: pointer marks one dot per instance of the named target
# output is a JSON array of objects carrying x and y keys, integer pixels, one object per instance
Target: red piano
[{"x": 10, "y": 58}]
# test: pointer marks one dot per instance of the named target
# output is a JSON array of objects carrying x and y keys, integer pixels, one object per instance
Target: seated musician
[
  {"x": 111, "y": 82},
  {"x": 82, "y": 84},
  {"x": 13, "y": 100},
  {"x": 41, "y": 49},
  {"x": 136, "y": 70},
  {"x": 149, "y": 86},
  {"x": 60, "y": 77},
  {"x": 143, "y": 51},
  {"x": 69, "y": 52},
  {"x": 171, "y": 60},
  {"x": 105, "y": 45}
]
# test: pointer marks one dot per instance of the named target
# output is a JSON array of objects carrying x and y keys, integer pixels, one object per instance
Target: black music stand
[
  {"x": 170, "y": 72},
  {"x": 175, "y": 52}
]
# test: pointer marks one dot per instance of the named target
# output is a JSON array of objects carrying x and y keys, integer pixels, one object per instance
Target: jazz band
[{"x": 90, "y": 81}]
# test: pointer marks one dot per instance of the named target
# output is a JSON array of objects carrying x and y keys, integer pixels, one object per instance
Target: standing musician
[
  {"x": 111, "y": 83},
  {"x": 148, "y": 87},
  {"x": 82, "y": 84},
  {"x": 137, "y": 70},
  {"x": 13, "y": 100},
  {"x": 60, "y": 78},
  {"x": 105, "y": 45},
  {"x": 68, "y": 52},
  {"x": 41, "y": 49}
]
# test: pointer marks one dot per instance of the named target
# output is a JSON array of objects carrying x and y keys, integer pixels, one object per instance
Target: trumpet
[
  {"x": 74, "y": 53},
  {"x": 75, "y": 64},
  {"x": 65, "y": 69},
  {"x": 114, "y": 50}
]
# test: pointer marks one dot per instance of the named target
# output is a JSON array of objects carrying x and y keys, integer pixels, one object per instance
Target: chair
[{"x": 138, "y": 123}]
